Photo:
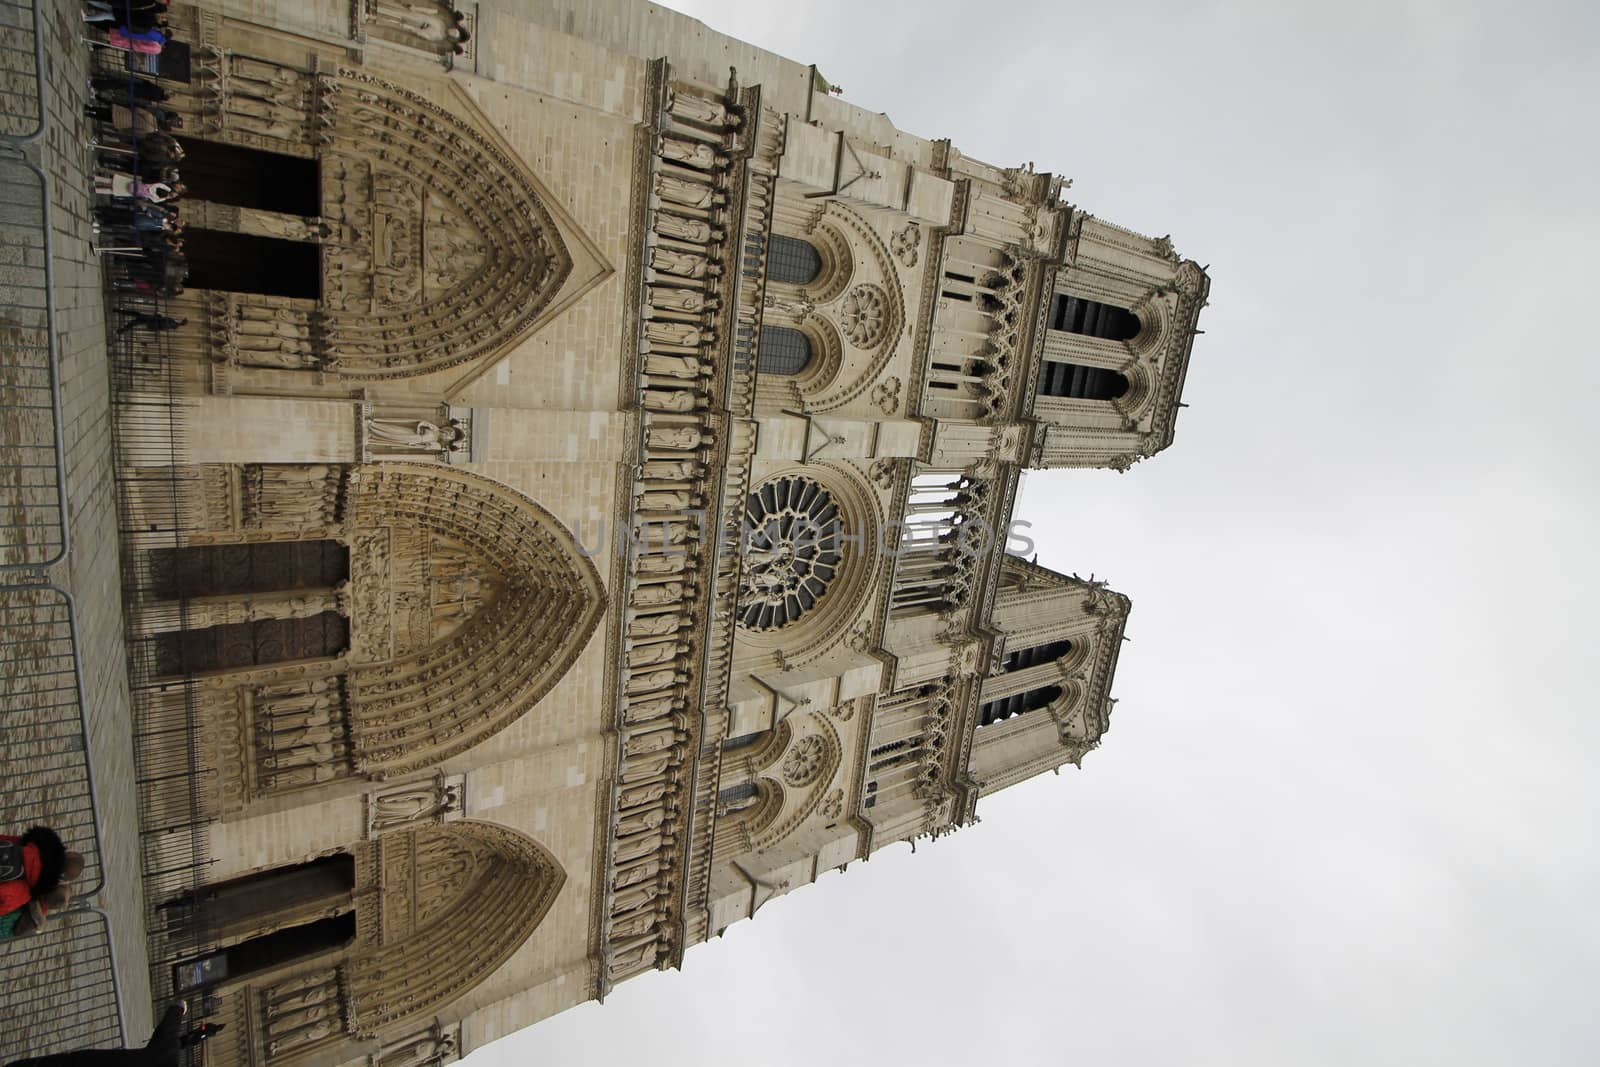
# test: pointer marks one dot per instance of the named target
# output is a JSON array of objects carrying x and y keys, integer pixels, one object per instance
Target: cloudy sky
[{"x": 1346, "y": 811}]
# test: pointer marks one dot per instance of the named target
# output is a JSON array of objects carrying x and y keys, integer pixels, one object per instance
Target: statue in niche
[
  {"x": 695, "y": 154},
  {"x": 651, "y": 655},
  {"x": 677, "y": 438},
  {"x": 650, "y": 681},
  {"x": 435, "y": 27},
  {"x": 699, "y": 109},
  {"x": 673, "y": 333},
  {"x": 654, "y": 625},
  {"x": 643, "y": 711},
  {"x": 423, "y": 801},
  {"x": 636, "y": 847},
  {"x": 313, "y": 1012},
  {"x": 642, "y": 794},
  {"x": 660, "y": 565},
  {"x": 264, "y": 73},
  {"x": 698, "y": 231},
  {"x": 281, "y": 1003},
  {"x": 266, "y": 110},
  {"x": 297, "y": 696},
  {"x": 682, "y": 298},
  {"x": 645, "y": 820},
  {"x": 634, "y": 897},
  {"x": 433, "y": 1046},
  {"x": 648, "y": 743},
  {"x": 637, "y": 924},
  {"x": 662, "y": 593},
  {"x": 645, "y": 768},
  {"x": 669, "y": 470},
  {"x": 677, "y": 401},
  {"x": 313, "y": 737},
  {"x": 636, "y": 874},
  {"x": 420, "y": 436},
  {"x": 320, "y": 1030},
  {"x": 634, "y": 958},
  {"x": 682, "y": 264},
  {"x": 667, "y": 500},
  {"x": 687, "y": 367},
  {"x": 677, "y": 190}
]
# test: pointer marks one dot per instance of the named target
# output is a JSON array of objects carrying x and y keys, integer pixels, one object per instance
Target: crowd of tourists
[{"x": 137, "y": 184}]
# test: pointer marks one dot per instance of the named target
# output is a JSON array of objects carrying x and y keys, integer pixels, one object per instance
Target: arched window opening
[
  {"x": 792, "y": 260},
  {"x": 1079, "y": 382},
  {"x": 1002, "y": 708},
  {"x": 784, "y": 350},
  {"x": 1074, "y": 314},
  {"x": 1023, "y": 658},
  {"x": 735, "y": 794},
  {"x": 260, "y": 567}
]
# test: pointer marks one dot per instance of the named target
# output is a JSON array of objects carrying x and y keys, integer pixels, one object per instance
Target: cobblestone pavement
[{"x": 90, "y": 572}]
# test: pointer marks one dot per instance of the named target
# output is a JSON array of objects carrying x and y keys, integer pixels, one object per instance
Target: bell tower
[
  {"x": 1045, "y": 700},
  {"x": 1117, "y": 327}
]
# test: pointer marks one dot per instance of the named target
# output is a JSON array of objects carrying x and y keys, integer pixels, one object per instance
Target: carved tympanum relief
[{"x": 436, "y": 247}]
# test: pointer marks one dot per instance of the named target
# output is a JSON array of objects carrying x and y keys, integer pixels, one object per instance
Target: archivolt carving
[
  {"x": 447, "y": 252},
  {"x": 437, "y": 249},
  {"x": 546, "y": 599},
  {"x": 808, "y": 766},
  {"x": 443, "y": 908},
  {"x": 871, "y": 314}
]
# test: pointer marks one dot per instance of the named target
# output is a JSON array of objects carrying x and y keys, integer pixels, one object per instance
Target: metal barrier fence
[
  {"x": 45, "y": 775},
  {"x": 33, "y": 501},
  {"x": 156, "y": 503},
  {"x": 21, "y": 71},
  {"x": 60, "y": 988}
]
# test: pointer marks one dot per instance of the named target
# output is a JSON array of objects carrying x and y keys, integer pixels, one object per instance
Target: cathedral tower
[{"x": 583, "y": 508}]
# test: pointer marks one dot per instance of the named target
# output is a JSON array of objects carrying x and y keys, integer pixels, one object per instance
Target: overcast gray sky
[{"x": 1346, "y": 811}]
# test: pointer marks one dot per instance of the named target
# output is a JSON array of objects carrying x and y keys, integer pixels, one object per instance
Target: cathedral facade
[{"x": 574, "y": 509}]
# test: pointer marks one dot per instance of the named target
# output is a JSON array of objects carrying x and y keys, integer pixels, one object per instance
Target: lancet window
[
  {"x": 784, "y": 350},
  {"x": 1023, "y": 658},
  {"x": 1002, "y": 708},
  {"x": 1080, "y": 382},
  {"x": 792, "y": 260},
  {"x": 1075, "y": 314}
]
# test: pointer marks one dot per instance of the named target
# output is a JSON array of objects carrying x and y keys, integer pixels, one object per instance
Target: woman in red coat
[{"x": 32, "y": 868}]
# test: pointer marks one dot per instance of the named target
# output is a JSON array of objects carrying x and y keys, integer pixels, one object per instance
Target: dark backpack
[{"x": 11, "y": 867}]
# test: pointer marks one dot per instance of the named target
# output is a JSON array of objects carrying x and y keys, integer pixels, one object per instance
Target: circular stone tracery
[
  {"x": 791, "y": 551},
  {"x": 863, "y": 315},
  {"x": 804, "y": 762}
]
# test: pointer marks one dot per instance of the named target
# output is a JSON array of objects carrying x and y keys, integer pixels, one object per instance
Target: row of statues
[{"x": 686, "y": 261}]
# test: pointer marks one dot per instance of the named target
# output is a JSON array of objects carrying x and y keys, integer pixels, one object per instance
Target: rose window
[
  {"x": 791, "y": 552},
  {"x": 864, "y": 314},
  {"x": 804, "y": 761}
]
